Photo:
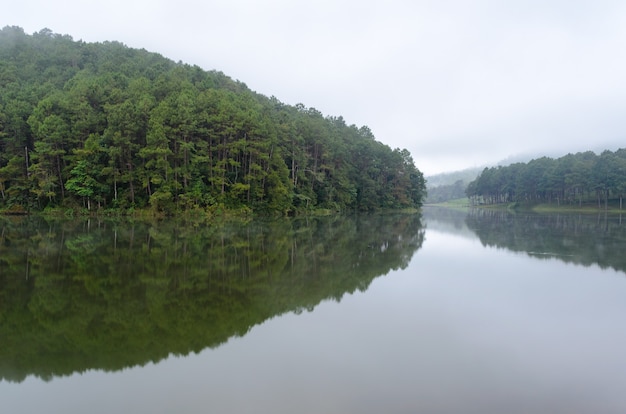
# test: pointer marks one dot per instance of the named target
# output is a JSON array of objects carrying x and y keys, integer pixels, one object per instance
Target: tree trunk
[
  {"x": 115, "y": 186},
  {"x": 132, "y": 187},
  {"x": 599, "y": 204},
  {"x": 60, "y": 177}
]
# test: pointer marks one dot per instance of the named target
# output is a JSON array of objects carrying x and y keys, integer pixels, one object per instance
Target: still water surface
[{"x": 445, "y": 313}]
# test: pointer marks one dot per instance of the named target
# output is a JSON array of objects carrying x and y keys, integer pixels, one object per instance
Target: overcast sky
[{"x": 459, "y": 83}]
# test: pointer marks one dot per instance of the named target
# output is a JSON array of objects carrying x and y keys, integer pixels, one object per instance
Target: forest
[
  {"x": 574, "y": 179},
  {"x": 103, "y": 127}
]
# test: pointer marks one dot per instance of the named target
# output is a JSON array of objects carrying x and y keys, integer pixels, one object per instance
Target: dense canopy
[
  {"x": 571, "y": 179},
  {"x": 101, "y": 125}
]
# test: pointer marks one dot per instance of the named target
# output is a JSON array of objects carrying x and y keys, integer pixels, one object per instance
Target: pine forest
[
  {"x": 103, "y": 127},
  {"x": 584, "y": 178}
]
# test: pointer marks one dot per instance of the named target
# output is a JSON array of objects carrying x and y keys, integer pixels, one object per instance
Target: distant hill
[
  {"x": 449, "y": 178},
  {"x": 452, "y": 185}
]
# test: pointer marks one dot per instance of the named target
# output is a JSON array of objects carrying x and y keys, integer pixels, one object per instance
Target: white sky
[{"x": 458, "y": 83}]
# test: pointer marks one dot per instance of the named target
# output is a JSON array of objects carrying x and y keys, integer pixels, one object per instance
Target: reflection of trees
[
  {"x": 581, "y": 239},
  {"x": 107, "y": 295},
  {"x": 446, "y": 219}
]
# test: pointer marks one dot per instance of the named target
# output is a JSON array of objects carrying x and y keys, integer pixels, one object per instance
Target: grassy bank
[
  {"x": 613, "y": 207},
  {"x": 460, "y": 203},
  {"x": 585, "y": 208},
  {"x": 214, "y": 213}
]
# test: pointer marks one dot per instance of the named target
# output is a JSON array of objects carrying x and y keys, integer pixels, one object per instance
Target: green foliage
[
  {"x": 122, "y": 128},
  {"x": 570, "y": 180}
]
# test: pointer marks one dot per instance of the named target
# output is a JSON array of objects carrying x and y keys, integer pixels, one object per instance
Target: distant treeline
[
  {"x": 100, "y": 125},
  {"x": 446, "y": 192},
  {"x": 572, "y": 179},
  {"x": 449, "y": 186}
]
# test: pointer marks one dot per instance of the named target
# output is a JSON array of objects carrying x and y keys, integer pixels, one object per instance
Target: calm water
[{"x": 444, "y": 313}]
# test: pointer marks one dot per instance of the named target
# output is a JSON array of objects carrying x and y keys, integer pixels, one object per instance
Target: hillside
[
  {"x": 449, "y": 178},
  {"x": 104, "y": 126},
  {"x": 449, "y": 186}
]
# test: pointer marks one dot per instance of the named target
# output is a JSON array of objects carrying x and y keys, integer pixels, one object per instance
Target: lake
[{"x": 442, "y": 312}]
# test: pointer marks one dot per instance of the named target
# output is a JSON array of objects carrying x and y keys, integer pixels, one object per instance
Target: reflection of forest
[
  {"x": 107, "y": 295},
  {"x": 576, "y": 238}
]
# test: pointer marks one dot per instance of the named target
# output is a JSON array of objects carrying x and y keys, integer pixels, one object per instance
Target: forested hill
[
  {"x": 584, "y": 177},
  {"x": 104, "y": 126}
]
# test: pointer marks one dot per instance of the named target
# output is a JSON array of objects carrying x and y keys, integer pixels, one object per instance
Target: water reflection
[
  {"x": 592, "y": 239},
  {"x": 79, "y": 295},
  {"x": 459, "y": 326}
]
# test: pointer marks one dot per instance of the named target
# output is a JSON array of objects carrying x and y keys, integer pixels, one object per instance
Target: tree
[{"x": 82, "y": 183}]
